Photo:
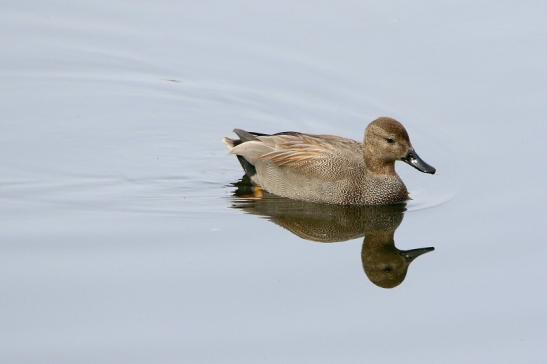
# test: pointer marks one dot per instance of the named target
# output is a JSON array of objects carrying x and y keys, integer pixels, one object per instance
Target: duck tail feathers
[
  {"x": 230, "y": 143},
  {"x": 245, "y": 136}
]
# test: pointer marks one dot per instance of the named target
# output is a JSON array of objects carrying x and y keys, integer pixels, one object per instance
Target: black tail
[
  {"x": 245, "y": 136},
  {"x": 248, "y": 136},
  {"x": 249, "y": 169}
]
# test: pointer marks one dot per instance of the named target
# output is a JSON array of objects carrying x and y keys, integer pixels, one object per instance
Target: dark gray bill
[
  {"x": 415, "y": 161},
  {"x": 410, "y": 255}
]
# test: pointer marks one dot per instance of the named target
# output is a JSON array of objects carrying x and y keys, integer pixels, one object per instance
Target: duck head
[{"x": 387, "y": 141}]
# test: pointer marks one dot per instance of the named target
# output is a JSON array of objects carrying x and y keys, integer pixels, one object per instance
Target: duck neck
[{"x": 377, "y": 165}]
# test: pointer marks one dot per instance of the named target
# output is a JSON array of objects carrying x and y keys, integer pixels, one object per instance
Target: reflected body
[
  {"x": 384, "y": 264},
  {"x": 328, "y": 168}
]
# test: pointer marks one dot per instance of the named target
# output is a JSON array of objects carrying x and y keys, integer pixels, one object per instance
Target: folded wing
[{"x": 304, "y": 152}]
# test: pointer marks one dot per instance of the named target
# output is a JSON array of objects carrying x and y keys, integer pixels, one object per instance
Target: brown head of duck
[{"x": 386, "y": 141}]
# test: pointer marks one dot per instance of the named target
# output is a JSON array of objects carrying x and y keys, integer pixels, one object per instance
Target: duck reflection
[{"x": 384, "y": 264}]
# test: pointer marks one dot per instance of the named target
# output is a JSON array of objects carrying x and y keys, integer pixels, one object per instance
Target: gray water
[{"x": 125, "y": 240}]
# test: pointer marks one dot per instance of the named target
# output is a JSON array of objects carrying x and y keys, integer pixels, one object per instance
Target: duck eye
[{"x": 390, "y": 141}]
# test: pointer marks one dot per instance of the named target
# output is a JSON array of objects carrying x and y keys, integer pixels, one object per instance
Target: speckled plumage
[{"x": 327, "y": 168}]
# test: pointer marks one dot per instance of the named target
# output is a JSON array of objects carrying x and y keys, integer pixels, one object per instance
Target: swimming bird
[{"x": 328, "y": 168}]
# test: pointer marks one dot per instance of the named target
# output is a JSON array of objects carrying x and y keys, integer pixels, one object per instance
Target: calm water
[{"x": 127, "y": 237}]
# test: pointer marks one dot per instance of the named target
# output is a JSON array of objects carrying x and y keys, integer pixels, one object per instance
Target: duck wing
[{"x": 307, "y": 153}]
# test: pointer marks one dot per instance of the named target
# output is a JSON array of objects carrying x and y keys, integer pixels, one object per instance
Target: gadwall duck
[{"x": 328, "y": 168}]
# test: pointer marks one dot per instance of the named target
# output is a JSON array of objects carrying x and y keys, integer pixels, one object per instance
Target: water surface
[{"x": 119, "y": 240}]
